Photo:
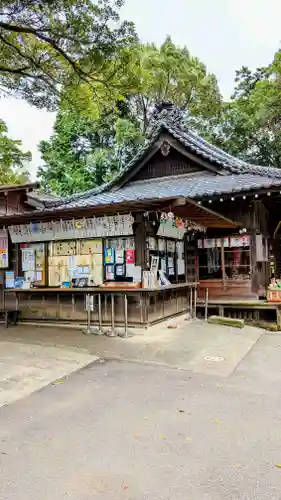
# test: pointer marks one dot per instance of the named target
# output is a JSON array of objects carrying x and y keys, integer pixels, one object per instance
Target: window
[{"x": 224, "y": 258}]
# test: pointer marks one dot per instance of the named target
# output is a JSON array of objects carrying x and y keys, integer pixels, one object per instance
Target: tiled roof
[
  {"x": 197, "y": 186},
  {"x": 43, "y": 197},
  {"x": 238, "y": 175}
]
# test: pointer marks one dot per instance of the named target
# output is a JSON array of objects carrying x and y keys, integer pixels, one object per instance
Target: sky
[{"x": 224, "y": 34}]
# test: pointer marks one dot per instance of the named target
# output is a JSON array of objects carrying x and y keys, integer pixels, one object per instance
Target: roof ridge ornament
[{"x": 167, "y": 110}]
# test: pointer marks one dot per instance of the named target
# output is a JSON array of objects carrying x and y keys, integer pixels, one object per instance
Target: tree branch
[
  {"x": 25, "y": 56},
  {"x": 26, "y": 29},
  {"x": 17, "y": 71}
]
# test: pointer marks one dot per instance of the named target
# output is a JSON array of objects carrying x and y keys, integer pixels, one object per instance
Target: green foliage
[
  {"x": 249, "y": 125},
  {"x": 170, "y": 73},
  {"x": 46, "y": 46},
  {"x": 94, "y": 139},
  {"x": 83, "y": 153},
  {"x": 12, "y": 159}
]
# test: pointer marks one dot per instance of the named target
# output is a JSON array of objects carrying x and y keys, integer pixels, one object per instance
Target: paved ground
[
  {"x": 186, "y": 347},
  {"x": 121, "y": 430},
  {"x": 25, "y": 368},
  {"x": 170, "y": 426},
  {"x": 31, "y": 358}
]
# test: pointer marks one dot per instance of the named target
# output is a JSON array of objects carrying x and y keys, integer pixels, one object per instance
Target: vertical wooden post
[
  {"x": 46, "y": 264},
  {"x": 18, "y": 260},
  {"x": 140, "y": 242},
  {"x": 253, "y": 253},
  {"x": 253, "y": 258},
  {"x": 223, "y": 264},
  {"x": 185, "y": 245}
]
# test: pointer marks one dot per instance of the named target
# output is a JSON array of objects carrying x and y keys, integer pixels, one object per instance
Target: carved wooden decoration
[{"x": 165, "y": 148}]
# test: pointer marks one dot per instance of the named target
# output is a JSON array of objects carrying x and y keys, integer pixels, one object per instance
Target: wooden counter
[
  {"x": 144, "y": 306},
  {"x": 100, "y": 289}
]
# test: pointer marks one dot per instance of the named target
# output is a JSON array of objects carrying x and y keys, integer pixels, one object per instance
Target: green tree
[
  {"x": 83, "y": 153},
  {"x": 93, "y": 139},
  {"x": 171, "y": 73},
  {"x": 13, "y": 161},
  {"x": 249, "y": 125},
  {"x": 46, "y": 46}
]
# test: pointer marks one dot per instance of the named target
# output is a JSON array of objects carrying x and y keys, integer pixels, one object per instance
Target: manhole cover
[{"x": 214, "y": 358}]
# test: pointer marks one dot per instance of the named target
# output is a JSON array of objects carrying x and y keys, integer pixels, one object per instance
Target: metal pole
[
  {"x": 99, "y": 311},
  {"x": 87, "y": 330},
  {"x": 97, "y": 330},
  {"x": 112, "y": 332},
  {"x": 126, "y": 333},
  {"x": 206, "y": 303},
  {"x": 126, "y": 315},
  {"x": 190, "y": 303},
  {"x": 88, "y": 314}
]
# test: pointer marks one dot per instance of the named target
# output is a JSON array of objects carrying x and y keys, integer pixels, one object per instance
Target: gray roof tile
[
  {"x": 241, "y": 176},
  {"x": 198, "y": 186}
]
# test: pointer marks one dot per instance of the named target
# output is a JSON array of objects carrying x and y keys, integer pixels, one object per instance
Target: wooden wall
[
  {"x": 13, "y": 202},
  {"x": 161, "y": 166}
]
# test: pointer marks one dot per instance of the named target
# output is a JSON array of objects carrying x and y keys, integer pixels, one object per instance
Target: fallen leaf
[
  {"x": 59, "y": 382},
  {"x": 217, "y": 421},
  {"x": 174, "y": 326},
  {"x": 181, "y": 411},
  {"x": 125, "y": 486},
  {"x": 278, "y": 466}
]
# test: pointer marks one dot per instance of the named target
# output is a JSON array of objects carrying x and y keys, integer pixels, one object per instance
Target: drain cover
[{"x": 213, "y": 358}]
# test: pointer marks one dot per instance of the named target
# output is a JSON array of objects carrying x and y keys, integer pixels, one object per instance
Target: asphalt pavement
[{"x": 124, "y": 430}]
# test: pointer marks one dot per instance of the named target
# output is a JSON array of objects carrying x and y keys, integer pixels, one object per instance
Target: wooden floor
[
  {"x": 250, "y": 310},
  {"x": 236, "y": 303}
]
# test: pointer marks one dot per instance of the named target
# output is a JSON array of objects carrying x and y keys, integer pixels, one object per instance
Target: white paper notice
[
  {"x": 71, "y": 262},
  {"x": 28, "y": 259},
  {"x": 133, "y": 271},
  {"x": 180, "y": 266},
  {"x": 38, "y": 276},
  {"x": 29, "y": 275}
]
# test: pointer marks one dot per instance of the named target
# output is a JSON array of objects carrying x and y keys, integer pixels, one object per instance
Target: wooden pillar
[
  {"x": 141, "y": 254},
  {"x": 46, "y": 264},
  {"x": 223, "y": 264},
  {"x": 253, "y": 257},
  {"x": 17, "y": 264},
  {"x": 253, "y": 251}
]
